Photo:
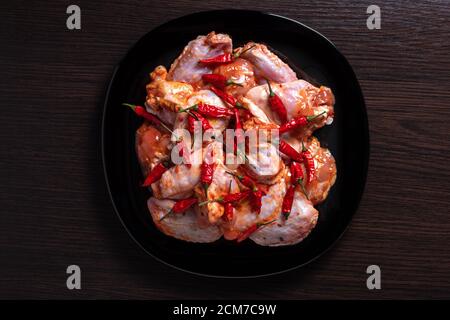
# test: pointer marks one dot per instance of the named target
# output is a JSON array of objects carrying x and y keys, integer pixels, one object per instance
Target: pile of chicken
[{"x": 182, "y": 86}]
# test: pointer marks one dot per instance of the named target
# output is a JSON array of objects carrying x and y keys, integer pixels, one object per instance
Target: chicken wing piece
[
  {"x": 265, "y": 164},
  {"x": 325, "y": 178},
  {"x": 181, "y": 226},
  {"x": 300, "y": 99},
  {"x": 164, "y": 97},
  {"x": 222, "y": 183},
  {"x": 302, "y": 220},
  {"x": 245, "y": 216},
  {"x": 179, "y": 181},
  {"x": 267, "y": 65},
  {"x": 186, "y": 67},
  {"x": 152, "y": 146}
]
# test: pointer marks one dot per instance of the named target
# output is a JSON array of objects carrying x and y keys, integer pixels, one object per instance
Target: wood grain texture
[{"x": 55, "y": 210}]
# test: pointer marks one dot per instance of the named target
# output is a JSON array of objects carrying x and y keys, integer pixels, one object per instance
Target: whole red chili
[
  {"x": 193, "y": 117},
  {"x": 209, "y": 110},
  {"x": 277, "y": 105},
  {"x": 140, "y": 111},
  {"x": 297, "y": 176},
  {"x": 229, "y": 198},
  {"x": 156, "y": 173},
  {"x": 228, "y": 98},
  {"x": 244, "y": 235},
  {"x": 296, "y": 173},
  {"x": 206, "y": 174},
  {"x": 309, "y": 163},
  {"x": 287, "y": 149},
  {"x": 181, "y": 206},
  {"x": 286, "y": 207},
  {"x": 245, "y": 180},
  {"x": 228, "y": 207},
  {"x": 223, "y": 58},
  {"x": 219, "y": 81},
  {"x": 256, "y": 200},
  {"x": 297, "y": 122}
]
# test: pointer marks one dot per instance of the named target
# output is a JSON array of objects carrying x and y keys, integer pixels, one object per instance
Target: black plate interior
[{"x": 347, "y": 138}]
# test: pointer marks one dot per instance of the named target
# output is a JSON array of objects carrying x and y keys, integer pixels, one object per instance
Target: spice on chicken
[{"x": 181, "y": 206}]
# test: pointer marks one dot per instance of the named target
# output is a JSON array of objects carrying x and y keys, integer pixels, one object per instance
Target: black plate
[{"x": 348, "y": 139}]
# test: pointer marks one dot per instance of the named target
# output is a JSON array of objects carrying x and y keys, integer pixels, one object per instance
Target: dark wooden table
[{"x": 55, "y": 210}]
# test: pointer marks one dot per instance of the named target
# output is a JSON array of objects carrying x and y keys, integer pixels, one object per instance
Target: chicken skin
[
  {"x": 186, "y": 68},
  {"x": 183, "y": 226},
  {"x": 267, "y": 65}
]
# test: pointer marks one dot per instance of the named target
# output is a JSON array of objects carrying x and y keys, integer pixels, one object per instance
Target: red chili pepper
[
  {"x": 209, "y": 110},
  {"x": 194, "y": 116},
  {"x": 309, "y": 163},
  {"x": 297, "y": 122},
  {"x": 285, "y": 148},
  {"x": 245, "y": 180},
  {"x": 245, "y": 115},
  {"x": 140, "y": 111},
  {"x": 277, "y": 105},
  {"x": 155, "y": 174},
  {"x": 297, "y": 176},
  {"x": 229, "y": 198},
  {"x": 181, "y": 206},
  {"x": 228, "y": 208},
  {"x": 228, "y": 98},
  {"x": 244, "y": 235},
  {"x": 256, "y": 200},
  {"x": 206, "y": 174},
  {"x": 287, "y": 202},
  {"x": 223, "y": 58},
  {"x": 296, "y": 173},
  {"x": 220, "y": 59},
  {"x": 219, "y": 81}
]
